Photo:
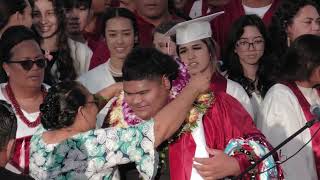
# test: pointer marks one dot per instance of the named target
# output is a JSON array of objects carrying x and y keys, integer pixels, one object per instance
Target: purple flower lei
[{"x": 177, "y": 85}]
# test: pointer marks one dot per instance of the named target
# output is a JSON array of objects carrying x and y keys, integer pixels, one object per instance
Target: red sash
[
  {"x": 307, "y": 114},
  {"x": 226, "y": 119},
  {"x": 18, "y": 149}
]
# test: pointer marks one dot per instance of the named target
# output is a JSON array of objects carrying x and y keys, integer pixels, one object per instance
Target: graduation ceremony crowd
[{"x": 159, "y": 89}]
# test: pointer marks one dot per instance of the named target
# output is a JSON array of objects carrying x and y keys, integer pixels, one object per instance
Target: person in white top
[
  {"x": 24, "y": 65},
  {"x": 248, "y": 58},
  {"x": 286, "y": 109},
  {"x": 120, "y": 31},
  {"x": 69, "y": 59}
]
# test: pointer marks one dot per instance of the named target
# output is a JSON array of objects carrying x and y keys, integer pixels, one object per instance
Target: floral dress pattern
[{"x": 93, "y": 154}]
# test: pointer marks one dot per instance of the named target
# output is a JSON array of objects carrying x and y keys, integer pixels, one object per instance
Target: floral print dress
[{"x": 93, "y": 154}]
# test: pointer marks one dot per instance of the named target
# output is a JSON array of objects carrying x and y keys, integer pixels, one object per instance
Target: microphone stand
[{"x": 307, "y": 125}]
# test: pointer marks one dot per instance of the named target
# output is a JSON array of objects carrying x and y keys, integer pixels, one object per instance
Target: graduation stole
[{"x": 307, "y": 114}]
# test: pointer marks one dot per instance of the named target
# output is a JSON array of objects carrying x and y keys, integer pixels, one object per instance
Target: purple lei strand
[{"x": 177, "y": 85}]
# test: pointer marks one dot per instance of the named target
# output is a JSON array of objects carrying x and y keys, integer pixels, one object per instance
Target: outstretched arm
[{"x": 170, "y": 118}]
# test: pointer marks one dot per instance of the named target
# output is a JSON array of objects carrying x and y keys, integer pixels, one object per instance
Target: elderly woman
[
  {"x": 71, "y": 148},
  {"x": 23, "y": 63},
  {"x": 292, "y": 19}
]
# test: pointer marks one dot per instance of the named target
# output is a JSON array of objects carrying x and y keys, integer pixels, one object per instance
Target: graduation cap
[{"x": 193, "y": 30}]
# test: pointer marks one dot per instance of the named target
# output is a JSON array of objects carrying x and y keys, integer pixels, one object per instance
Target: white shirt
[
  {"x": 281, "y": 116},
  {"x": 235, "y": 90},
  {"x": 261, "y": 11},
  {"x": 256, "y": 101},
  {"x": 22, "y": 129},
  {"x": 95, "y": 80}
]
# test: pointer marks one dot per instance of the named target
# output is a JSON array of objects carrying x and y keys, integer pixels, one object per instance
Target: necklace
[
  {"x": 113, "y": 70},
  {"x": 18, "y": 110}
]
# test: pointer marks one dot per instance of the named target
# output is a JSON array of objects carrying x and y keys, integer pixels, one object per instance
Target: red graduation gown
[{"x": 226, "y": 119}]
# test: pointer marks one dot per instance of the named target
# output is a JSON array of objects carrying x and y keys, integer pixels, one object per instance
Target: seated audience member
[
  {"x": 8, "y": 129},
  {"x": 13, "y": 13},
  {"x": 69, "y": 59},
  {"x": 286, "y": 108},
  {"x": 24, "y": 65},
  {"x": 292, "y": 19},
  {"x": 219, "y": 124},
  {"x": 248, "y": 58},
  {"x": 71, "y": 147}
]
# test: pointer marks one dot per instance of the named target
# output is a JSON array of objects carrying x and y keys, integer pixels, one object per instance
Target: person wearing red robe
[{"x": 224, "y": 141}]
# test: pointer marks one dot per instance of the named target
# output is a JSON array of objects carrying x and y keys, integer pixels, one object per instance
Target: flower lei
[
  {"x": 199, "y": 108},
  {"x": 122, "y": 115}
]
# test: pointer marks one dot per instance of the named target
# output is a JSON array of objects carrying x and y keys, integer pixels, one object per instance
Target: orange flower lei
[{"x": 200, "y": 107}]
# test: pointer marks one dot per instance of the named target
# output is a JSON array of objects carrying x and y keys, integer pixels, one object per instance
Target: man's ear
[
  {"x": 10, "y": 148},
  {"x": 166, "y": 82},
  {"x": 5, "y": 68}
]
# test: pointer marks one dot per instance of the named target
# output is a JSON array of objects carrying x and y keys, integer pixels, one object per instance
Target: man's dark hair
[
  {"x": 148, "y": 64},
  {"x": 70, "y": 4},
  {"x": 8, "y": 124}
]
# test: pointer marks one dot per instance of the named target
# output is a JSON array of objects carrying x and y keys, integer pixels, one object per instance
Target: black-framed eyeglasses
[
  {"x": 28, "y": 64},
  {"x": 256, "y": 44}
]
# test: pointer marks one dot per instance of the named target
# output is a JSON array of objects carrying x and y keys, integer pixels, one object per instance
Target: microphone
[{"x": 315, "y": 110}]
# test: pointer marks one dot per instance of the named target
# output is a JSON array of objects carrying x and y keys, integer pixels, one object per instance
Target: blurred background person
[{"x": 70, "y": 58}]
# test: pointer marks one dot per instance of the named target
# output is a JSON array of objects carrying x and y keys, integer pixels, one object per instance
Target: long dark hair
[
  {"x": 64, "y": 61},
  {"x": 232, "y": 61},
  {"x": 282, "y": 18}
]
